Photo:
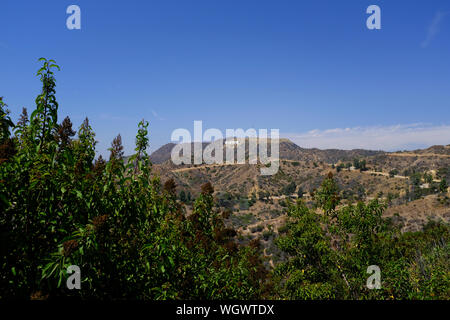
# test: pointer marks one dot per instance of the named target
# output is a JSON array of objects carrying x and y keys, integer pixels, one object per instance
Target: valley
[{"x": 408, "y": 182}]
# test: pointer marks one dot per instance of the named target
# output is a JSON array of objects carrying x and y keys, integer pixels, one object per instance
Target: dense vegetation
[
  {"x": 330, "y": 253},
  {"x": 59, "y": 206}
]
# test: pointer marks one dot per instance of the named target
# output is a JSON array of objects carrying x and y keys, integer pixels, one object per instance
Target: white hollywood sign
[{"x": 213, "y": 152}]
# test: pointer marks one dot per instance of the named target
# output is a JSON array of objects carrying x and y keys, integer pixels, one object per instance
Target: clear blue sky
[{"x": 293, "y": 65}]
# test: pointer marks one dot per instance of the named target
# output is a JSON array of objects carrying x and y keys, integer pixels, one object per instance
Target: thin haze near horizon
[{"x": 309, "y": 68}]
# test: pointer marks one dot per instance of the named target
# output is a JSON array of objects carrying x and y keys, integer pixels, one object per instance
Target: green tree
[
  {"x": 183, "y": 196},
  {"x": 289, "y": 188},
  {"x": 311, "y": 271},
  {"x": 44, "y": 118},
  {"x": 114, "y": 220},
  {"x": 327, "y": 196},
  {"x": 443, "y": 185},
  {"x": 5, "y": 121},
  {"x": 300, "y": 192}
]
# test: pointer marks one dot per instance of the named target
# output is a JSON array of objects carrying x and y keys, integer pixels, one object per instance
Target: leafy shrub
[
  {"x": 126, "y": 232},
  {"x": 328, "y": 255}
]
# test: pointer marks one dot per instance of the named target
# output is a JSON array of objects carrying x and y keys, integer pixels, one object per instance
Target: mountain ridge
[{"x": 288, "y": 150}]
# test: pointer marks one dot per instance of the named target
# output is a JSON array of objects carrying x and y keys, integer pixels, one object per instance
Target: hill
[
  {"x": 287, "y": 150},
  {"x": 399, "y": 178}
]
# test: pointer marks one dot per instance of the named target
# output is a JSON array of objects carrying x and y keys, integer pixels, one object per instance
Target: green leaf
[
  {"x": 55, "y": 66},
  {"x": 60, "y": 280},
  {"x": 33, "y": 115},
  {"x": 4, "y": 200}
]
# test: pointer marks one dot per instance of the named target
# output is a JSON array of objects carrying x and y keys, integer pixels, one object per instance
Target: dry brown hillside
[{"x": 407, "y": 181}]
